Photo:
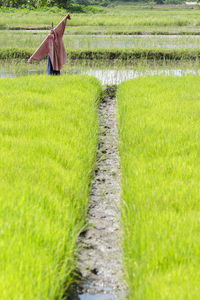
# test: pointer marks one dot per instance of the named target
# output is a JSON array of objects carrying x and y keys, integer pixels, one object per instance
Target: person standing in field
[{"x": 53, "y": 46}]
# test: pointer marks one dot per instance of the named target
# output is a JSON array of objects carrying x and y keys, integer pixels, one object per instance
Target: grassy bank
[
  {"x": 112, "y": 30},
  {"x": 48, "y": 144},
  {"x": 124, "y": 15},
  {"x": 110, "y": 54},
  {"x": 159, "y": 132}
]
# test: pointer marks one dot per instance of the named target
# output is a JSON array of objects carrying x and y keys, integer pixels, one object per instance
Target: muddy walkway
[{"x": 100, "y": 259}]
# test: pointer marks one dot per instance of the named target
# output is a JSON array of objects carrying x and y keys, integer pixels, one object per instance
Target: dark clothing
[{"x": 50, "y": 70}]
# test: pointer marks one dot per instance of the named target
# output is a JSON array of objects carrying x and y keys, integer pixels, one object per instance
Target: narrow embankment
[
  {"x": 161, "y": 30},
  {"x": 100, "y": 260}
]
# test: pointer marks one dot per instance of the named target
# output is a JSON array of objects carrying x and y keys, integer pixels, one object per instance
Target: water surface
[
  {"x": 33, "y": 40},
  {"x": 107, "y": 73}
]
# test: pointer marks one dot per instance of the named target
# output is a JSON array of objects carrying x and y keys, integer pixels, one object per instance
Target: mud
[{"x": 100, "y": 260}]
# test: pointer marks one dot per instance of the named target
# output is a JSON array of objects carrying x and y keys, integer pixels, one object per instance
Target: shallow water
[
  {"x": 105, "y": 294},
  {"x": 108, "y": 72},
  {"x": 33, "y": 39},
  {"x": 88, "y": 296},
  {"x": 132, "y": 41},
  {"x": 108, "y": 76}
]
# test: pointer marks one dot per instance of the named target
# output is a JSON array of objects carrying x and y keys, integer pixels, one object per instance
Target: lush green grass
[
  {"x": 159, "y": 120},
  {"x": 143, "y": 18},
  {"x": 125, "y": 15},
  {"x": 49, "y": 132}
]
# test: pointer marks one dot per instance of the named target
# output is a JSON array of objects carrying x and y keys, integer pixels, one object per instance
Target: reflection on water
[
  {"x": 11, "y": 74},
  {"x": 110, "y": 76},
  {"x": 131, "y": 41},
  {"x": 108, "y": 72},
  {"x": 118, "y": 76},
  {"x": 88, "y": 296},
  {"x": 97, "y": 293}
]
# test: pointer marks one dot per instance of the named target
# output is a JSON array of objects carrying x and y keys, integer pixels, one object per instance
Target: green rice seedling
[
  {"x": 29, "y": 39},
  {"x": 126, "y": 16},
  {"x": 110, "y": 54},
  {"x": 159, "y": 123},
  {"x": 20, "y": 67},
  {"x": 107, "y": 71},
  {"x": 49, "y": 132},
  {"x": 21, "y": 17}
]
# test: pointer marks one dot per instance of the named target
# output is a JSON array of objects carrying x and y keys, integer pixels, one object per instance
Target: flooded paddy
[
  {"x": 107, "y": 72},
  {"x": 144, "y": 29},
  {"x": 34, "y": 38}
]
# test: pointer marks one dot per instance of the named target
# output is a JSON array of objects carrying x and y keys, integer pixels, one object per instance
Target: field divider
[
  {"x": 100, "y": 259},
  {"x": 85, "y": 31}
]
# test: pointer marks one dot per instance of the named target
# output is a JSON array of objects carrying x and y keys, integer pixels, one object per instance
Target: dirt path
[{"x": 100, "y": 259}]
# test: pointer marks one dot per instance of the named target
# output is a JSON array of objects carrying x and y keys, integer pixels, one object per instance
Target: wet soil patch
[{"x": 100, "y": 258}]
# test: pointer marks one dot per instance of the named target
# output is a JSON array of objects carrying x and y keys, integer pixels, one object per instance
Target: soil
[{"x": 100, "y": 260}]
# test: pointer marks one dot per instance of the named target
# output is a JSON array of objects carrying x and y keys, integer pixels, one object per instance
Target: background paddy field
[
  {"x": 118, "y": 15},
  {"x": 118, "y": 19},
  {"x": 49, "y": 136},
  {"x": 24, "y": 39},
  {"x": 159, "y": 148},
  {"x": 86, "y": 35}
]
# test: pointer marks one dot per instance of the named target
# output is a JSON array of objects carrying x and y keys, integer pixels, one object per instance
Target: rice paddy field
[
  {"x": 24, "y": 39},
  {"x": 107, "y": 72},
  {"x": 117, "y": 29},
  {"x": 117, "y": 15},
  {"x": 49, "y": 136},
  {"x": 159, "y": 148},
  {"x": 49, "y": 139}
]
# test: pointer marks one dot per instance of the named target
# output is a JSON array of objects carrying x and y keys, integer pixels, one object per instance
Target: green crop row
[
  {"x": 48, "y": 142},
  {"x": 159, "y": 120},
  {"x": 113, "y": 16},
  {"x": 110, "y": 54},
  {"x": 98, "y": 43},
  {"x": 49, "y": 137}
]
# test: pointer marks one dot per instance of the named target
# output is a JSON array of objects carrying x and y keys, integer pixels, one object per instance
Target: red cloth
[{"x": 54, "y": 46}]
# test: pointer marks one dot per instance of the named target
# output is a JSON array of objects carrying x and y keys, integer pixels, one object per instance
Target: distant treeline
[
  {"x": 50, "y": 3},
  {"x": 67, "y": 3}
]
